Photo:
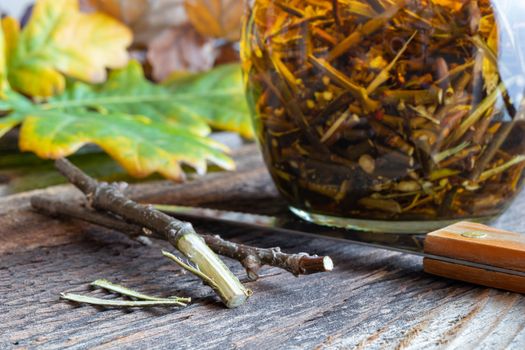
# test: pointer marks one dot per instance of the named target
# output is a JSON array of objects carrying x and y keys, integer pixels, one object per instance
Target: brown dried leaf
[
  {"x": 180, "y": 49},
  {"x": 147, "y": 18},
  {"x": 127, "y": 11},
  {"x": 216, "y": 18},
  {"x": 162, "y": 26}
]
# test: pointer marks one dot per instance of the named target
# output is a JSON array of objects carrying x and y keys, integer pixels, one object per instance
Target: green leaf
[
  {"x": 139, "y": 144},
  {"x": 9, "y": 122},
  {"x": 127, "y": 91},
  {"x": 217, "y": 96},
  {"x": 146, "y": 128},
  {"x": 18, "y": 105},
  {"x": 3, "y": 67}
]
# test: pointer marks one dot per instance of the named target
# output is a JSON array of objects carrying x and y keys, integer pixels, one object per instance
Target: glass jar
[{"x": 389, "y": 115}]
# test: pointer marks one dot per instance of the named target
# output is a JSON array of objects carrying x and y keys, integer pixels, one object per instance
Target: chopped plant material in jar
[{"x": 389, "y": 109}]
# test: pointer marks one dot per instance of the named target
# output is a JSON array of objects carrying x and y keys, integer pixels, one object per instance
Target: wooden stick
[
  {"x": 108, "y": 197},
  {"x": 252, "y": 258}
]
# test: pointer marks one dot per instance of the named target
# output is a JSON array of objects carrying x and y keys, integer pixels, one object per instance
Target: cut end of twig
[
  {"x": 237, "y": 301},
  {"x": 314, "y": 264},
  {"x": 328, "y": 263}
]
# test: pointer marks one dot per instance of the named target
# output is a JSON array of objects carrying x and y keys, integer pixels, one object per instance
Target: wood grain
[
  {"x": 479, "y": 243},
  {"x": 475, "y": 275},
  {"x": 373, "y": 300}
]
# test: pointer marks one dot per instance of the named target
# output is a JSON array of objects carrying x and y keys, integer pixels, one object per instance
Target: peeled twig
[
  {"x": 138, "y": 299},
  {"x": 108, "y": 197},
  {"x": 84, "y": 299},
  {"x": 252, "y": 258},
  {"x": 116, "y": 288},
  {"x": 197, "y": 272}
]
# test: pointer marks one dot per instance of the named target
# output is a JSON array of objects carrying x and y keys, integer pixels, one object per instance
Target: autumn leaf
[
  {"x": 128, "y": 91},
  {"x": 193, "y": 101},
  {"x": 216, "y": 96},
  {"x": 7, "y": 123},
  {"x": 174, "y": 43},
  {"x": 140, "y": 145},
  {"x": 127, "y": 11},
  {"x": 147, "y": 18},
  {"x": 216, "y": 18},
  {"x": 145, "y": 127},
  {"x": 3, "y": 66},
  {"x": 180, "y": 49},
  {"x": 59, "y": 40},
  {"x": 17, "y": 105}
]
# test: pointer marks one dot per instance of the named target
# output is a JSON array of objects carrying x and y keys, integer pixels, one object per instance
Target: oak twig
[
  {"x": 109, "y": 198},
  {"x": 252, "y": 258}
]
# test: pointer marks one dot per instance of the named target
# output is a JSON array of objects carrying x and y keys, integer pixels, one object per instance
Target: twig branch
[
  {"x": 252, "y": 258},
  {"x": 109, "y": 198}
]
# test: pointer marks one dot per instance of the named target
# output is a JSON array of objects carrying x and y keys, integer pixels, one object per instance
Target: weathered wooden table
[{"x": 374, "y": 298}]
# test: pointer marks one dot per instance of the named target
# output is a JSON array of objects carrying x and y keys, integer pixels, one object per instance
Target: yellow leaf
[
  {"x": 145, "y": 127},
  {"x": 140, "y": 148},
  {"x": 3, "y": 71},
  {"x": 216, "y": 18},
  {"x": 59, "y": 39},
  {"x": 11, "y": 29},
  {"x": 37, "y": 81}
]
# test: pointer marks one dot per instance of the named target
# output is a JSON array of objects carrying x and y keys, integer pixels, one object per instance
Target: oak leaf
[
  {"x": 139, "y": 144},
  {"x": 127, "y": 11},
  {"x": 60, "y": 40},
  {"x": 217, "y": 96},
  {"x": 216, "y": 18},
  {"x": 3, "y": 65},
  {"x": 147, "y": 18},
  {"x": 180, "y": 49},
  {"x": 145, "y": 127}
]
